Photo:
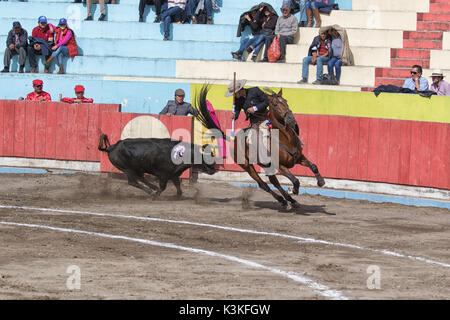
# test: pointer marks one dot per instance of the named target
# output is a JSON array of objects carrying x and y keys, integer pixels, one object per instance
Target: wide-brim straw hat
[
  {"x": 239, "y": 85},
  {"x": 437, "y": 73}
]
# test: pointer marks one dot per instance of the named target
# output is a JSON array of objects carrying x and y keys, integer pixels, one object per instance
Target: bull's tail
[
  {"x": 104, "y": 141},
  {"x": 203, "y": 113}
]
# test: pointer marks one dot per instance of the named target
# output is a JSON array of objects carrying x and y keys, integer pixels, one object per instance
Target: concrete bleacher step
[
  {"x": 359, "y": 37},
  {"x": 422, "y": 44},
  {"x": 446, "y": 41},
  {"x": 439, "y": 6},
  {"x": 391, "y": 20},
  {"x": 135, "y": 30},
  {"x": 117, "y": 66},
  {"x": 364, "y": 56},
  {"x": 153, "y": 49},
  {"x": 440, "y": 59},
  {"x": 272, "y": 72},
  {"x": 398, "y": 5},
  {"x": 407, "y": 63},
  {"x": 410, "y": 53},
  {"x": 434, "y": 17},
  {"x": 424, "y": 35}
]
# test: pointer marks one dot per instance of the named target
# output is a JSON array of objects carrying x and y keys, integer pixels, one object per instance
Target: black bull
[{"x": 166, "y": 159}]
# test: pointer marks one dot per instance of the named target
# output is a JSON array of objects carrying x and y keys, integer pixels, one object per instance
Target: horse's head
[{"x": 280, "y": 111}]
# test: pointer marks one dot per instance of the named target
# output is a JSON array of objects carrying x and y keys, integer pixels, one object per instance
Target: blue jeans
[
  {"x": 60, "y": 53},
  {"x": 254, "y": 42},
  {"x": 315, "y": 5},
  {"x": 337, "y": 63},
  {"x": 168, "y": 16},
  {"x": 307, "y": 61},
  {"x": 301, "y": 15}
]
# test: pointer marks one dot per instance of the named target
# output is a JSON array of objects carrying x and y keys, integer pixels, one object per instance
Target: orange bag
[{"x": 274, "y": 52}]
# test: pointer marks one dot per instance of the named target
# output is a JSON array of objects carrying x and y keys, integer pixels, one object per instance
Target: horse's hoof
[
  {"x": 295, "y": 205},
  {"x": 321, "y": 182}
]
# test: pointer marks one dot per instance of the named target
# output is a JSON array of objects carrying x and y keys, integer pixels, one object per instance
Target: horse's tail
[
  {"x": 203, "y": 113},
  {"x": 103, "y": 141}
]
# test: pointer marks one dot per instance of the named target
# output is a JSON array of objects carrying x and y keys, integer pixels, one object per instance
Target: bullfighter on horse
[{"x": 255, "y": 103}]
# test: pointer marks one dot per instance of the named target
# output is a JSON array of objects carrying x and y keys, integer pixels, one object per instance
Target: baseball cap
[
  {"x": 179, "y": 92},
  {"x": 42, "y": 19},
  {"x": 62, "y": 21},
  {"x": 286, "y": 5},
  {"x": 38, "y": 82},
  {"x": 79, "y": 88},
  {"x": 16, "y": 24}
]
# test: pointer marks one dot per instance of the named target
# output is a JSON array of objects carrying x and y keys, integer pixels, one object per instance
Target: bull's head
[{"x": 208, "y": 159}]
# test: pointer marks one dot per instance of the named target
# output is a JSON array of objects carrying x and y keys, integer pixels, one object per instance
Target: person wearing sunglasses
[
  {"x": 38, "y": 94},
  {"x": 416, "y": 81}
]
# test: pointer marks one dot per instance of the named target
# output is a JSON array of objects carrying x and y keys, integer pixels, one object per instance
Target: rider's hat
[{"x": 239, "y": 85}]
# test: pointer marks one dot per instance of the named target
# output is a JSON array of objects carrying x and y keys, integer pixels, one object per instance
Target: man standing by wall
[{"x": 178, "y": 107}]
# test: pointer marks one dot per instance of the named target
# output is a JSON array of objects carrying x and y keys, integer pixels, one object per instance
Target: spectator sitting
[
  {"x": 299, "y": 6},
  {"x": 441, "y": 87},
  {"x": 312, "y": 7},
  {"x": 416, "y": 82},
  {"x": 178, "y": 107},
  {"x": 318, "y": 53},
  {"x": 16, "y": 43},
  {"x": 158, "y": 5},
  {"x": 336, "y": 56},
  {"x": 65, "y": 45},
  {"x": 41, "y": 41},
  {"x": 268, "y": 23},
  {"x": 79, "y": 92},
  {"x": 89, "y": 10},
  {"x": 251, "y": 19},
  {"x": 38, "y": 94},
  {"x": 173, "y": 13},
  {"x": 194, "y": 7},
  {"x": 285, "y": 29}
]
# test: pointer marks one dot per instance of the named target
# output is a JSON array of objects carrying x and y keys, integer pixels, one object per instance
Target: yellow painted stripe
[{"x": 353, "y": 104}]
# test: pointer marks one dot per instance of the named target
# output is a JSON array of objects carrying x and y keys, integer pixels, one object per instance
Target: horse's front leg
[
  {"x": 254, "y": 174},
  {"x": 273, "y": 179},
  {"x": 285, "y": 172}
]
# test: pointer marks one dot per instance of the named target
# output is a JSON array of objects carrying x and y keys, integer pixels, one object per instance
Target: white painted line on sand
[
  {"x": 316, "y": 287},
  {"x": 272, "y": 234}
]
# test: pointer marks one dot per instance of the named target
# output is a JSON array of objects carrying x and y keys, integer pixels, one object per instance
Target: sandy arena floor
[{"x": 288, "y": 263}]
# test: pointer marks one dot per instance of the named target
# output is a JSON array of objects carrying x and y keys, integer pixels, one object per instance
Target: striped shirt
[
  {"x": 176, "y": 3},
  {"x": 323, "y": 51}
]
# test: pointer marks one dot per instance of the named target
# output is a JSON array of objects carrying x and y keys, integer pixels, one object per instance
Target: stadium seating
[{"x": 124, "y": 61}]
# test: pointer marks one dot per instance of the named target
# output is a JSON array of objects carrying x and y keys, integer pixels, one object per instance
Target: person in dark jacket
[
  {"x": 42, "y": 35},
  {"x": 250, "y": 19},
  {"x": 16, "y": 43},
  {"x": 255, "y": 104},
  {"x": 319, "y": 53},
  {"x": 268, "y": 24},
  {"x": 178, "y": 107},
  {"x": 158, "y": 5}
]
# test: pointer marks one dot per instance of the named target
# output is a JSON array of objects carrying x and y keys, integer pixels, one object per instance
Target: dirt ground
[{"x": 34, "y": 261}]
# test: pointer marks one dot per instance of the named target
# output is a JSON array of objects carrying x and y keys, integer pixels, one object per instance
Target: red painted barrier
[
  {"x": 367, "y": 149},
  {"x": 51, "y": 130},
  {"x": 379, "y": 150}
]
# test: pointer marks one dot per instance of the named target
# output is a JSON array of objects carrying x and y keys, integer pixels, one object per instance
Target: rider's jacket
[{"x": 254, "y": 97}]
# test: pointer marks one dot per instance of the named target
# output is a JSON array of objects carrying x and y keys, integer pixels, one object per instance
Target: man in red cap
[
  {"x": 38, "y": 94},
  {"x": 79, "y": 92}
]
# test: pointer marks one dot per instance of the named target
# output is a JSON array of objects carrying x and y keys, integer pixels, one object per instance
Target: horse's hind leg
[
  {"x": 305, "y": 162},
  {"x": 285, "y": 172},
  {"x": 273, "y": 179},
  {"x": 252, "y": 172}
]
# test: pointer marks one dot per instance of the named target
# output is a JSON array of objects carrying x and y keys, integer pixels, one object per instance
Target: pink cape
[{"x": 220, "y": 141}]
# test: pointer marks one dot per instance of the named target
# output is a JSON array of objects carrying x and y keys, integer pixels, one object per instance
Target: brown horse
[{"x": 290, "y": 146}]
